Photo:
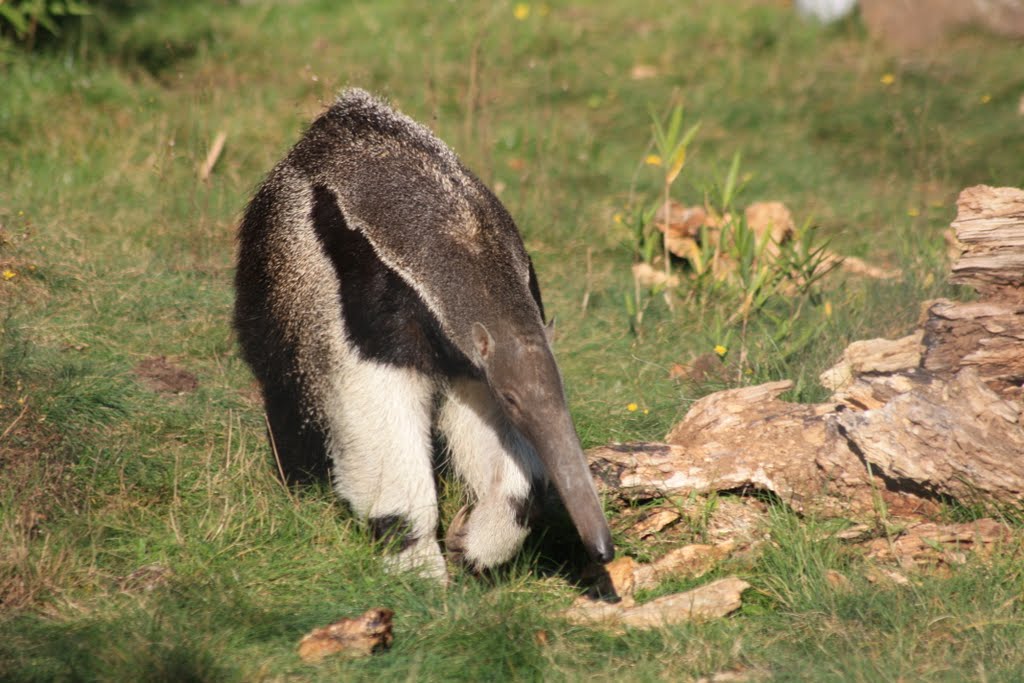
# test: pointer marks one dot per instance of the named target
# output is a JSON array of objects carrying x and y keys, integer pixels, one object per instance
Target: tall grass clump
[{"x": 753, "y": 285}]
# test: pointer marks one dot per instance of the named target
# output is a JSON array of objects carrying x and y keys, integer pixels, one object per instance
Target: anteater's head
[{"x": 521, "y": 372}]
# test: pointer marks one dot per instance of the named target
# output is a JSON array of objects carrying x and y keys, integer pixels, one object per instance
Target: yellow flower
[
  {"x": 632, "y": 407},
  {"x": 617, "y": 218},
  {"x": 721, "y": 350},
  {"x": 646, "y": 411},
  {"x": 521, "y": 11},
  {"x": 985, "y": 99},
  {"x": 887, "y": 79},
  {"x": 828, "y": 309},
  {"x": 913, "y": 212},
  {"x": 652, "y": 160},
  {"x": 9, "y": 274}
]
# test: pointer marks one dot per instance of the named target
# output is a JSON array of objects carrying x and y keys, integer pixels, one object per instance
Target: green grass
[{"x": 121, "y": 254}]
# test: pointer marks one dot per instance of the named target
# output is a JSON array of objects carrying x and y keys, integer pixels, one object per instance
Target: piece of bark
[
  {"x": 874, "y": 356},
  {"x": 681, "y": 226},
  {"x": 838, "y": 581},
  {"x": 677, "y": 220},
  {"x": 684, "y": 228},
  {"x": 929, "y": 542},
  {"x": 740, "y": 439},
  {"x": 693, "y": 561},
  {"x": 716, "y": 599},
  {"x": 623, "y": 576},
  {"x": 869, "y": 392},
  {"x": 648, "y": 276},
  {"x": 615, "y": 580},
  {"x": 349, "y": 638},
  {"x": 857, "y": 532},
  {"x": 934, "y": 438},
  {"x": 955, "y": 438},
  {"x": 642, "y": 72},
  {"x": 856, "y": 266},
  {"x": 990, "y": 230},
  {"x": 736, "y": 676},
  {"x": 773, "y": 219},
  {"x": 883, "y": 576},
  {"x": 212, "y": 156},
  {"x": 654, "y": 522},
  {"x": 985, "y": 335}
]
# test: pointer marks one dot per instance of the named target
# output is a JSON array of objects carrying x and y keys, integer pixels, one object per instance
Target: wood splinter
[
  {"x": 350, "y": 638},
  {"x": 214, "y": 154}
]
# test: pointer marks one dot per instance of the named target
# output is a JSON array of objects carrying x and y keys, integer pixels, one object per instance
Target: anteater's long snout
[{"x": 567, "y": 468}]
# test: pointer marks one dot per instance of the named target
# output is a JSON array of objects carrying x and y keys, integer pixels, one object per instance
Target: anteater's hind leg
[
  {"x": 501, "y": 469},
  {"x": 380, "y": 446}
]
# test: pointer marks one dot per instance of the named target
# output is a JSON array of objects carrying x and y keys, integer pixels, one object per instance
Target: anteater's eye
[{"x": 511, "y": 400}]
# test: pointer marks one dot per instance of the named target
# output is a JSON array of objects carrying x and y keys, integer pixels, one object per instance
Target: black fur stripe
[
  {"x": 384, "y": 317},
  {"x": 392, "y": 531}
]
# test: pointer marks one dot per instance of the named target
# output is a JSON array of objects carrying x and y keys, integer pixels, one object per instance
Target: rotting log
[{"x": 934, "y": 415}]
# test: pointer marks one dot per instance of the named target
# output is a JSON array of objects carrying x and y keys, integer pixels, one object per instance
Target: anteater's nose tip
[{"x": 603, "y": 552}]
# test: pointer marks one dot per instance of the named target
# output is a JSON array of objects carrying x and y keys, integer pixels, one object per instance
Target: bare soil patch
[{"x": 163, "y": 377}]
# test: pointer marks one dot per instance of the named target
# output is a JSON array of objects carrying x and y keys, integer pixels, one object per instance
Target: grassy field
[{"x": 143, "y": 534}]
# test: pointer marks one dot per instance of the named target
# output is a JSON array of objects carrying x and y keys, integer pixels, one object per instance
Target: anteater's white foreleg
[
  {"x": 501, "y": 470},
  {"x": 380, "y": 445}
]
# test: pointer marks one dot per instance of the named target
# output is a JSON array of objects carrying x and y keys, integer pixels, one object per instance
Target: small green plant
[
  {"x": 671, "y": 143},
  {"x": 770, "y": 270},
  {"x": 24, "y": 18}
]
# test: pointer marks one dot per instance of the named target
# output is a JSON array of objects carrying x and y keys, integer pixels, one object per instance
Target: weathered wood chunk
[{"x": 349, "y": 638}]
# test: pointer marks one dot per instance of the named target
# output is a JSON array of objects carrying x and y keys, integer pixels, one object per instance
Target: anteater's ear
[
  {"x": 483, "y": 343},
  {"x": 549, "y": 331}
]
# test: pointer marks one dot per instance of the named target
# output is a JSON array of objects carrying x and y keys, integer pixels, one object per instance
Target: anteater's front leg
[
  {"x": 502, "y": 472},
  {"x": 380, "y": 446}
]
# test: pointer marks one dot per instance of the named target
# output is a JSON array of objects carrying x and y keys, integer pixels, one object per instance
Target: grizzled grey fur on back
[{"x": 411, "y": 195}]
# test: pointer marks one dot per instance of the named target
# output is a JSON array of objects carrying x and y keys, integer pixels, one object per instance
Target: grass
[{"x": 120, "y": 254}]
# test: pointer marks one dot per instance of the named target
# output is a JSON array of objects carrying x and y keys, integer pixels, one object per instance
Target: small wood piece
[
  {"x": 713, "y": 600},
  {"x": 213, "y": 155},
  {"x": 357, "y": 637},
  {"x": 874, "y": 356},
  {"x": 928, "y": 542},
  {"x": 654, "y": 522},
  {"x": 624, "y": 576}
]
